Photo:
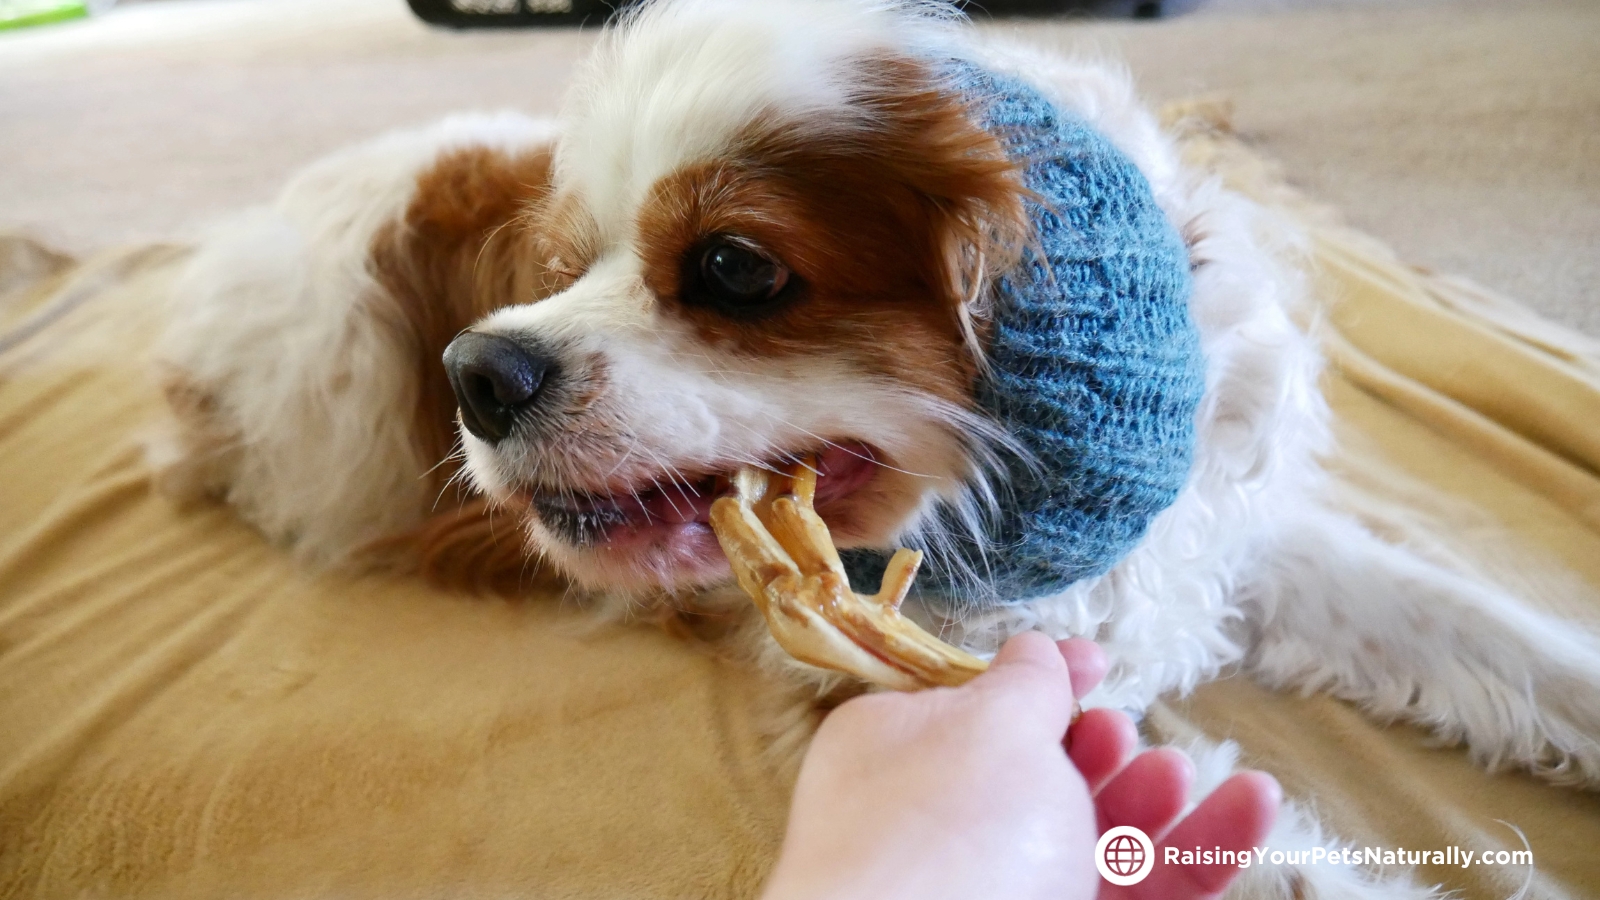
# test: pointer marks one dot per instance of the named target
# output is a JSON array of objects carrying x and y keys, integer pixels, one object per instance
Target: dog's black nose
[{"x": 494, "y": 378}]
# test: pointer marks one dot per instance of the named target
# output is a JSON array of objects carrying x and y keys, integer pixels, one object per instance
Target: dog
[{"x": 761, "y": 231}]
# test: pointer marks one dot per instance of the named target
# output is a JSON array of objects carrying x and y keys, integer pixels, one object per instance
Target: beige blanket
[{"x": 185, "y": 713}]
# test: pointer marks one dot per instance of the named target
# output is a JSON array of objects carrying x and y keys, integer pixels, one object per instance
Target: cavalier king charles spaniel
[{"x": 758, "y": 231}]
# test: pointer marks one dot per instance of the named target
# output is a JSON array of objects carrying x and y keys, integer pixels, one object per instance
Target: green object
[{"x": 22, "y": 13}]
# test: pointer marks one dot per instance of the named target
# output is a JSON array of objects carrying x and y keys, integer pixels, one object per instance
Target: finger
[
  {"x": 1030, "y": 651},
  {"x": 1031, "y": 654},
  {"x": 1149, "y": 792},
  {"x": 1100, "y": 744},
  {"x": 1030, "y": 669},
  {"x": 1236, "y": 816},
  {"x": 1086, "y": 661}
]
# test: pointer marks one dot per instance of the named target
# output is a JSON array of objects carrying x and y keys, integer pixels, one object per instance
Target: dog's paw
[{"x": 193, "y": 451}]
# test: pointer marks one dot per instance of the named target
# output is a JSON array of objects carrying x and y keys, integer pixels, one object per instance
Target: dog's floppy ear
[
  {"x": 302, "y": 359},
  {"x": 467, "y": 245},
  {"x": 283, "y": 379},
  {"x": 933, "y": 140}
]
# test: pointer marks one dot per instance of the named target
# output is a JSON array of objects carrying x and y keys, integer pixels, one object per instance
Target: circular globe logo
[{"x": 1124, "y": 855}]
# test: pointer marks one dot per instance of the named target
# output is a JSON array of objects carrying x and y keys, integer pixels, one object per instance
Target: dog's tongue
[
  {"x": 841, "y": 469},
  {"x": 672, "y": 504}
]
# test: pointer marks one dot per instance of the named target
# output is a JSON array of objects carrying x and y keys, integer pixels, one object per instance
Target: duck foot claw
[{"x": 784, "y": 558}]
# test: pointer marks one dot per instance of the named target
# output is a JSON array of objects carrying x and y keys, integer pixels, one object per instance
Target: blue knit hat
[{"x": 1095, "y": 367}]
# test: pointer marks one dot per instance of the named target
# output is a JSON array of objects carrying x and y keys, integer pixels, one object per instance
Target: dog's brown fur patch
[
  {"x": 467, "y": 245},
  {"x": 887, "y": 222}
]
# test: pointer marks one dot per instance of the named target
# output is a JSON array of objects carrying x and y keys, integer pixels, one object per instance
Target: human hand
[
  {"x": 966, "y": 792},
  {"x": 952, "y": 792},
  {"x": 1149, "y": 792}
]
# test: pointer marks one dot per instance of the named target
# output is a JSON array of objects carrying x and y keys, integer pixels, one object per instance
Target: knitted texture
[{"x": 1095, "y": 367}]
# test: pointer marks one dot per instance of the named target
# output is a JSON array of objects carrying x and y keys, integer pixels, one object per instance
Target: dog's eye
[{"x": 737, "y": 279}]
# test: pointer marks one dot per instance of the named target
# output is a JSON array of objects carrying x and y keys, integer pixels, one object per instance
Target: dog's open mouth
[{"x": 677, "y": 509}]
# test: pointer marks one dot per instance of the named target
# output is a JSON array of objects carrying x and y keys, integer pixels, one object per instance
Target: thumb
[
  {"x": 1030, "y": 648},
  {"x": 1030, "y": 671}
]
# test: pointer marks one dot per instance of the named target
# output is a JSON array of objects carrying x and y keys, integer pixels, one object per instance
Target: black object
[
  {"x": 494, "y": 378},
  {"x": 535, "y": 13},
  {"x": 514, "y": 13}
]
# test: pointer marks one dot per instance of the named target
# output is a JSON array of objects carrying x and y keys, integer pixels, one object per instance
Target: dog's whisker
[
  {"x": 626, "y": 455},
  {"x": 453, "y": 455},
  {"x": 662, "y": 491},
  {"x": 485, "y": 246},
  {"x": 857, "y": 454}
]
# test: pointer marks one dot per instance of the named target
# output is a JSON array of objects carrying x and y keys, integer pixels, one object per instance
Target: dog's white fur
[
  {"x": 1258, "y": 563},
  {"x": 279, "y": 317},
  {"x": 674, "y": 88}
]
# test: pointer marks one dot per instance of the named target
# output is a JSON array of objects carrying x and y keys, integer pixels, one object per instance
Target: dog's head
[{"x": 769, "y": 221}]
